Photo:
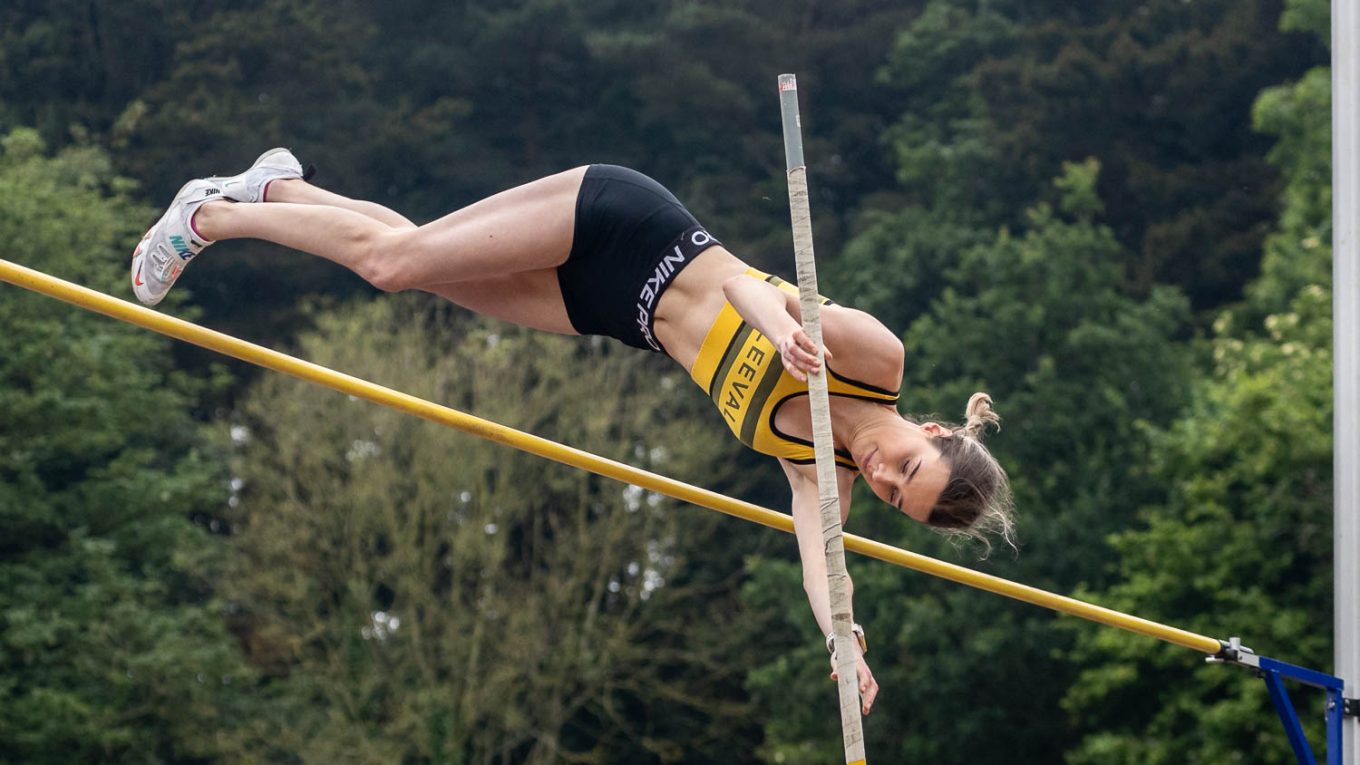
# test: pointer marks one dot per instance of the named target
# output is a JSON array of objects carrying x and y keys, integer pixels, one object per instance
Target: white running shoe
[
  {"x": 168, "y": 247},
  {"x": 273, "y": 165}
]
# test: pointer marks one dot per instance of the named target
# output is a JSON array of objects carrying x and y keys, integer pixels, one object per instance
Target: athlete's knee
[{"x": 385, "y": 263}]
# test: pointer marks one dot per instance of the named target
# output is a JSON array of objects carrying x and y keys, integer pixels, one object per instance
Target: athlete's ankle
[
  {"x": 284, "y": 190},
  {"x": 210, "y": 221}
]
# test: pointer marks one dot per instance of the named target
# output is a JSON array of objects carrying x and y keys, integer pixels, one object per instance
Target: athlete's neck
[{"x": 859, "y": 424}]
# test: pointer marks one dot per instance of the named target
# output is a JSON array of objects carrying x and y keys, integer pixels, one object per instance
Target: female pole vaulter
[{"x": 604, "y": 250}]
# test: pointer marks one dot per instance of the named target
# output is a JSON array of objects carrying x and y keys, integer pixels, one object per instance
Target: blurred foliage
[
  {"x": 418, "y": 595},
  {"x": 1243, "y": 544},
  {"x": 1112, "y": 216},
  {"x": 112, "y": 646},
  {"x": 997, "y": 94}
]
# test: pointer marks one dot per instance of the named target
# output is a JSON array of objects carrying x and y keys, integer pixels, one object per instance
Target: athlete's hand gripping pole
[{"x": 841, "y": 617}]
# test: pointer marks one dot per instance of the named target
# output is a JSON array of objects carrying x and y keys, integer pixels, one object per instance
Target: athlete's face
[{"x": 904, "y": 468}]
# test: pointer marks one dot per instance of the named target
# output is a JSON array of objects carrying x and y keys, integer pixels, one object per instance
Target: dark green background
[{"x": 1113, "y": 216}]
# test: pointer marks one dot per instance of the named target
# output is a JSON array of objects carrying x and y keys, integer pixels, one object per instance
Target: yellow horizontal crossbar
[{"x": 280, "y": 362}]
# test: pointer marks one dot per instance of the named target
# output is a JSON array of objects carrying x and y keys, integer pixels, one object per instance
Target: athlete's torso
[
  {"x": 622, "y": 279},
  {"x": 742, "y": 372}
]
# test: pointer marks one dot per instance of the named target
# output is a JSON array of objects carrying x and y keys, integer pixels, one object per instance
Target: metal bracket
[
  {"x": 1233, "y": 652},
  {"x": 1274, "y": 672}
]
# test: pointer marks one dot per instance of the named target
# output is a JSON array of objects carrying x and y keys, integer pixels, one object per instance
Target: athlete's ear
[{"x": 935, "y": 430}]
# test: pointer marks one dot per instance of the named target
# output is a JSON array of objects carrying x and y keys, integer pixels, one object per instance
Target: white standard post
[
  {"x": 848, "y": 682},
  {"x": 1346, "y": 353}
]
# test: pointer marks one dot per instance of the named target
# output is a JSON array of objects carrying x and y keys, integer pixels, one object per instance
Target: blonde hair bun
[{"x": 980, "y": 414}]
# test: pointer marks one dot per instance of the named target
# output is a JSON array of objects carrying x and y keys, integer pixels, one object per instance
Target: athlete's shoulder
[{"x": 862, "y": 347}]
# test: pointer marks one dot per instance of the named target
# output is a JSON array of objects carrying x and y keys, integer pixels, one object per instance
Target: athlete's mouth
[{"x": 864, "y": 464}]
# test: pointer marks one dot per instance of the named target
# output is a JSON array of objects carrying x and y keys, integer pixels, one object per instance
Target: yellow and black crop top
[{"x": 742, "y": 372}]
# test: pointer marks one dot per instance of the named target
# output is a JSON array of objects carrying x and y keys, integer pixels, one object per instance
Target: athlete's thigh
[
  {"x": 530, "y": 299},
  {"x": 527, "y": 228}
]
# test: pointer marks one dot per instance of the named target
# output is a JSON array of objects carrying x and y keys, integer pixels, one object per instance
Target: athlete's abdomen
[{"x": 691, "y": 303}]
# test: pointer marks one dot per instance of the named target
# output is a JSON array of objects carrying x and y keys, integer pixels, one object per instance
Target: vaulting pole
[
  {"x": 1346, "y": 355},
  {"x": 842, "y": 618}
]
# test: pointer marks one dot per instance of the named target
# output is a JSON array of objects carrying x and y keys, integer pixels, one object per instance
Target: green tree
[
  {"x": 416, "y": 594},
  {"x": 428, "y": 105},
  {"x": 112, "y": 648},
  {"x": 996, "y": 95},
  {"x": 68, "y": 66},
  {"x": 1242, "y": 545}
]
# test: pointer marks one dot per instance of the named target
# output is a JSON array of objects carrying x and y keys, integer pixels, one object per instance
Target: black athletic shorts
[{"x": 632, "y": 237}]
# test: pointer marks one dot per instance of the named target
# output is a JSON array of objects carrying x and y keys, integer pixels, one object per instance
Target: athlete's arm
[
  {"x": 867, "y": 350},
  {"x": 807, "y": 524},
  {"x": 768, "y": 309}
]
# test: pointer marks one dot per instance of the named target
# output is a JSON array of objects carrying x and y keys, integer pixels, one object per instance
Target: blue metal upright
[{"x": 1274, "y": 672}]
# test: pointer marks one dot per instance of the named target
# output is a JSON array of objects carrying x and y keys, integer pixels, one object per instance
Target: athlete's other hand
[
  {"x": 799, "y": 354},
  {"x": 868, "y": 686}
]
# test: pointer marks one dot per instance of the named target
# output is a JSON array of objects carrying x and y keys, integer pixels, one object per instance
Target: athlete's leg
[
  {"x": 532, "y": 299},
  {"x": 298, "y": 191},
  {"x": 527, "y": 228}
]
